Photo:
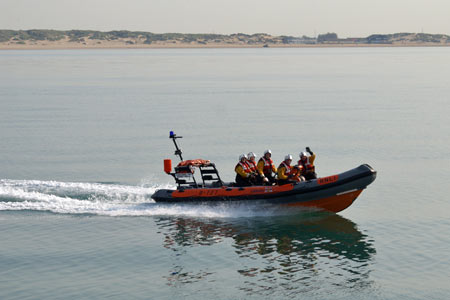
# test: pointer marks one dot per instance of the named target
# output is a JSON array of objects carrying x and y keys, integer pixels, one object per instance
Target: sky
[{"x": 347, "y": 18}]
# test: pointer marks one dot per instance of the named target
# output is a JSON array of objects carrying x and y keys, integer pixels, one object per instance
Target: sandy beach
[{"x": 138, "y": 44}]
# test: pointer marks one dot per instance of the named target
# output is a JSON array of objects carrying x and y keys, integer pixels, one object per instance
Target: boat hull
[{"x": 333, "y": 193}]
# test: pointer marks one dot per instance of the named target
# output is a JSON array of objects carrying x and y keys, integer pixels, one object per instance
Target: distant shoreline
[
  {"x": 37, "y": 39},
  {"x": 72, "y": 46}
]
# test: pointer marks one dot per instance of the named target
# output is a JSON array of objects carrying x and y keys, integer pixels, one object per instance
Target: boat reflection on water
[{"x": 295, "y": 253}]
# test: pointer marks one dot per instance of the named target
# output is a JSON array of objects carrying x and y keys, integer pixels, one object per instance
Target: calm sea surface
[{"x": 83, "y": 135}]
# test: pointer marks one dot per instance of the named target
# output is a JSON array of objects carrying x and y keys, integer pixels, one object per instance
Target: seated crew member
[
  {"x": 297, "y": 171},
  {"x": 251, "y": 162},
  {"x": 266, "y": 168},
  {"x": 254, "y": 168},
  {"x": 285, "y": 171},
  {"x": 307, "y": 162},
  {"x": 244, "y": 176}
]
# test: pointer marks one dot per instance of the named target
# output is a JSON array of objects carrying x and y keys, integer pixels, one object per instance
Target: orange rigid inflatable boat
[{"x": 332, "y": 193}]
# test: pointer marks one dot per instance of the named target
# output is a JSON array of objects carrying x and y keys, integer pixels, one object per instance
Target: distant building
[
  {"x": 327, "y": 38},
  {"x": 299, "y": 40},
  {"x": 353, "y": 41}
]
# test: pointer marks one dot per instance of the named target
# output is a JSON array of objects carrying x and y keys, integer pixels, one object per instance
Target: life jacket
[
  {"x": 268, "y": 163},
  {"x": 297, "y": 170},
  {"x": 244, "y": 166},
  {"x": 287, "y": 168},
  {"x": 307, "y": 166},
  {"x": 252, "y": 165}
]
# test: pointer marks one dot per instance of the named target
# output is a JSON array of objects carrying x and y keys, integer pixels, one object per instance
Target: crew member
[
  {"x": 297, "y": 171},
  {"x": 251, "y": 162},
  {"x": 266, "y": 168},
  {"x": 307, "y": 162},
  {"x": 244, "y": 175},
  {"x": 285, "y": 171}
]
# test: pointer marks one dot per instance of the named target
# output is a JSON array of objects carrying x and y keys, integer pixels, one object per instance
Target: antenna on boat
[{"x": 174, "y": 138}]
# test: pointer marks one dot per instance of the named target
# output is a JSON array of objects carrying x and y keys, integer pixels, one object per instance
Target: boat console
[{"x": 184, "y": 171}]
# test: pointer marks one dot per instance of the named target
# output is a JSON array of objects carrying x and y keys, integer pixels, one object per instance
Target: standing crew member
[
  {"x": 244, "y": 176},
  {"x": 307, "y": 162},
  {"x": 266, "y": 167},
  {"x": 285, "y": 171}
]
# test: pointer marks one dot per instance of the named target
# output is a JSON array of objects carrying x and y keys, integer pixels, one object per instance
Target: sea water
[{"x": 83, "y": 135}]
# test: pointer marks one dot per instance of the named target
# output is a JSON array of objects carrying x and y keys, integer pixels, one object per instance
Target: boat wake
[{"x": 111, "y": 200}]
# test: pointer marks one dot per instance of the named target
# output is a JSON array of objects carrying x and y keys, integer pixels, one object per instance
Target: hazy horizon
[{"x": 347, "y": 18}]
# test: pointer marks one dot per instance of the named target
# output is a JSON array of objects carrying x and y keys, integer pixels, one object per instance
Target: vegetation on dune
[
  {"x": 6, "y": 35},
  {"x": 34, "y": 34},
  {"x": 141, "y": 37}
]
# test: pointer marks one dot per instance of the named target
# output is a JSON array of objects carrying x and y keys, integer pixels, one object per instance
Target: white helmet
[
  {"x": 268, "y": 151},
  {"x": 288, "y": 157},
  {"x": 302, "y": 154},
  {"x": 251, "y": 154},
  {"x": 242, "y": 156}
]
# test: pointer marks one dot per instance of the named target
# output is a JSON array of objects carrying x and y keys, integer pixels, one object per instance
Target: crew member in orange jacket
[
  {"x": 251, "y": 162},
  {"x": 285, "y": 171},
  {"x": 244, "y": 176},
  {"x": 297, "y": 172},
  {"x": 307, "y": 162},
  {"x": 266, "y": 167}
]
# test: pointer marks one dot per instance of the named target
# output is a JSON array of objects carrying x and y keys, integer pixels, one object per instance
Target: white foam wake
[
  {"x": 108, "y": 200},
  {"x": 74, "y": 197}
]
